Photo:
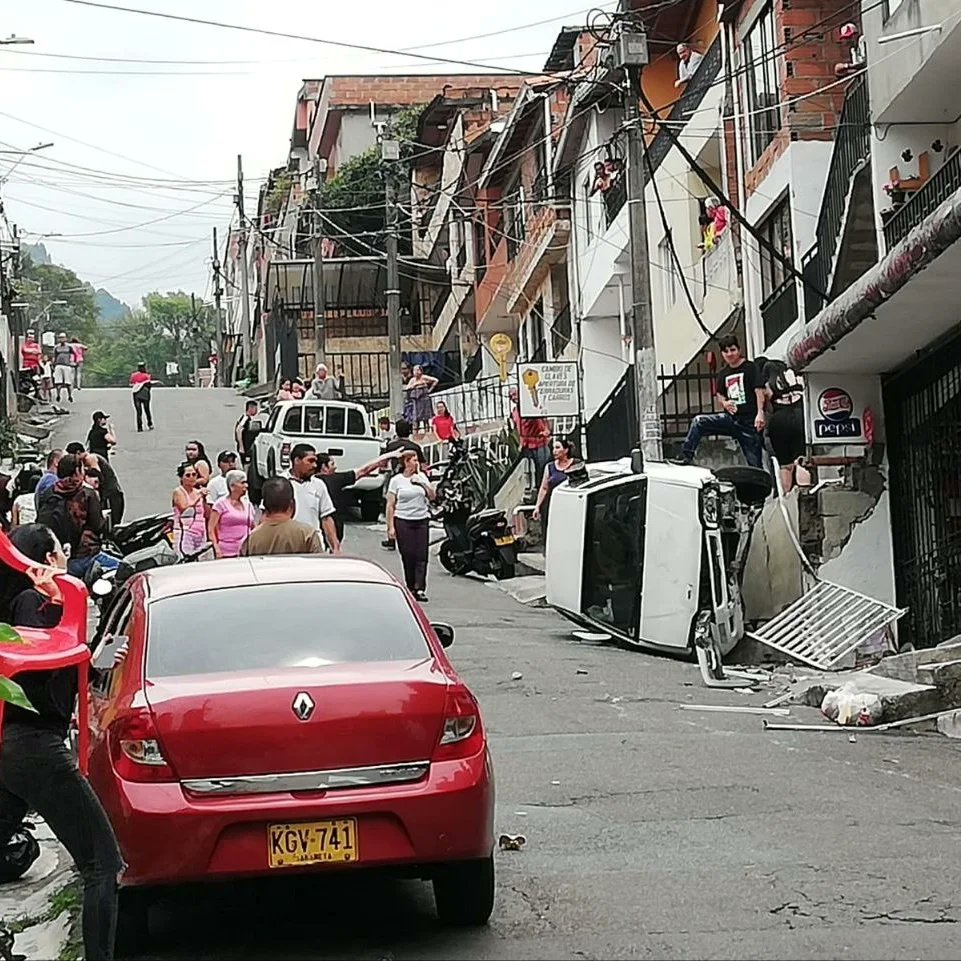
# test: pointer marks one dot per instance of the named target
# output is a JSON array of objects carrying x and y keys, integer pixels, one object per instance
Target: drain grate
[{"x": 826, "y": 624}]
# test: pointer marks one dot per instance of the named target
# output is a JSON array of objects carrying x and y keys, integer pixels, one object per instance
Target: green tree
[
  {"x": 361, "y": 183},
  {"x": 42, "y": 284},
  {"x": 167, "y": 328}
]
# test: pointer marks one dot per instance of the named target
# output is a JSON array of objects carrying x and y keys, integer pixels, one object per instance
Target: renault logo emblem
[{"x": 303, "y": 706}]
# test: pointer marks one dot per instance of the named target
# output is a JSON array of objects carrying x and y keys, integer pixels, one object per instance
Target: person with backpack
[{"x": 72, "y": 511}]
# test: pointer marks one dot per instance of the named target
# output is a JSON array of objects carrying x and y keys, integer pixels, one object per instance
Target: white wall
[
  {"x": 601, "y": 353},
  {"x": 800, "y": 173}
]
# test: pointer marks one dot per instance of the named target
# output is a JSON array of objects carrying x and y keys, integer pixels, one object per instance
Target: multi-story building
[
  {"x": 876, "y": 333},
  {"x": 695, "y": 287},
  {"x": 337, "y": 123}
]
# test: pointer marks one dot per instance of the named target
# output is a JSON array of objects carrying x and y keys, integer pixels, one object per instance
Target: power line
[{"x": 263, "y": 31}]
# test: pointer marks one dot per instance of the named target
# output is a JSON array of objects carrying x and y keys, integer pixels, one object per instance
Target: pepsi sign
[{"x": 837, "y": 412}]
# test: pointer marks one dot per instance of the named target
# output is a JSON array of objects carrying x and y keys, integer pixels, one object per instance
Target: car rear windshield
[{"x": 279, "y": 626}]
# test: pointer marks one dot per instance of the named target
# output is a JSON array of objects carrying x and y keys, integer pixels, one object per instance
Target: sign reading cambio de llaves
[{"x": 549, "y": 390}]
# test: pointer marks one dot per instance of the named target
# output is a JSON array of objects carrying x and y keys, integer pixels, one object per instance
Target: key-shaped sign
[
  {"x": 531, "y": 379},
  {"x": 501, "y": 345}
]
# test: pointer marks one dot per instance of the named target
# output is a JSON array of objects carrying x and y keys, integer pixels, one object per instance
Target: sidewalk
[{"x": 41, "y": 907}]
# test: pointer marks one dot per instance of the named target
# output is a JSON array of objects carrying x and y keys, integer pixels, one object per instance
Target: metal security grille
[
  {"x": 826, "y": 624},
  {"x": 922, "y": 408}
]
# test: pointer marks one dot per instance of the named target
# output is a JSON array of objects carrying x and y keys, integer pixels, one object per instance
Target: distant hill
[
  {"x": 109, "y": 309},
  {"x": 37, "y": 253}
]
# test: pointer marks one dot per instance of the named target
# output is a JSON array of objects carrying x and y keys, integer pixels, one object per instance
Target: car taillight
[
  {"x": 463, "y": 732},
  {"x": 135, "y": 749},
  {"x": 285, "y": 455}
]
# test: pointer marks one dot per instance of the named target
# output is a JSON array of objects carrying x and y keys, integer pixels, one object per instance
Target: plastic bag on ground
[{"x": 850, "y": 707}]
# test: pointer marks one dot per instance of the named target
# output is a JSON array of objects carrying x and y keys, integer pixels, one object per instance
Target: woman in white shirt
[{"x": 408, "y": 521}]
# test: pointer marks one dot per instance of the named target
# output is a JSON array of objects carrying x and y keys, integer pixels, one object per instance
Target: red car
[{"x": 281, "y": 714}]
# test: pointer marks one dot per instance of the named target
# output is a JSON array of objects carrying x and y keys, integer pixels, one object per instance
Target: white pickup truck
[{"x": 330, "y": 426}]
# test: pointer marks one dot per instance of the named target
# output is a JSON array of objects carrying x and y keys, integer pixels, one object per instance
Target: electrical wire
[{"x": 263, "y": 31}]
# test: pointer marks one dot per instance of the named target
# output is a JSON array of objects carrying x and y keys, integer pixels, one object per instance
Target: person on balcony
[
  {"x": 718, "y": 217},
  {"x": 740, "y": 393},
  {"x": 417, "y": 391},
  {"x": 602, "y": 179},
  {"x": 688, "y": 62}
]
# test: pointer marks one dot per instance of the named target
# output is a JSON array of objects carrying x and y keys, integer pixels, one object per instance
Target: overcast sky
[{"x": 169, "y": 124}]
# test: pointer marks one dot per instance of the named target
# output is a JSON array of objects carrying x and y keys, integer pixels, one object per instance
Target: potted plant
[{"x": 896, "y": 192}]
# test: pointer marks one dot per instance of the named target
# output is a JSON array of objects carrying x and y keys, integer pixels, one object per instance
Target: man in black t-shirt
[
  {"x": 739, "y": 392},
  {"x": 337, "y": 482}
]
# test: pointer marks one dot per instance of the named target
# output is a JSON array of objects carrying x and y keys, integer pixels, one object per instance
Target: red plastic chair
[{"x": 46, "y": 650}]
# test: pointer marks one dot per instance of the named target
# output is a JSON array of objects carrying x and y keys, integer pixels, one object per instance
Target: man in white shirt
[
  {"x": 688, "y": 62},
  {"x": 315, "y": 508},
  {"x": 217, "y": 486}
]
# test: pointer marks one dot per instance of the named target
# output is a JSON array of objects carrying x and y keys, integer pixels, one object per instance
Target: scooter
[{"x": 479, "y": 541}]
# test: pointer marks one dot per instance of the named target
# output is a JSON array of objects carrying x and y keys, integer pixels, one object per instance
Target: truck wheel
[
  {"x": 255, "y": 483},
  {"x": 752, "y": 484},
  {"x": 370, "y": 508}
]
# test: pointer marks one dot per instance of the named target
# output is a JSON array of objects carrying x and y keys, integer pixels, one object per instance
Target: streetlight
[
  {"x": 13, "y": 39},
  {"x": 44, "y": 316},
  {"x": 23, "y": 156}
]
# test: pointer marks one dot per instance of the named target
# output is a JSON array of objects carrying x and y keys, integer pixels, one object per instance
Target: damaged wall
[
  {"x": 855, "y": 547},
  {"x": 773, "y": 573}
]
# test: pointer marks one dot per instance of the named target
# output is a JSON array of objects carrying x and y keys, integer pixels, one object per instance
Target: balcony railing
[
  {"x": 779, "y": 311},
  {"x": 689, "y": 101},
  {"x": 852, "y": 149},
  {"x": 683, "y": 394},
  {"x": 614, "y": 198},
  {"x": 925, "y": 201}
]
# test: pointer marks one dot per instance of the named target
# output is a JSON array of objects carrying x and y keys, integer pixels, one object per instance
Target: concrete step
[{"x": 532, "y": 562}]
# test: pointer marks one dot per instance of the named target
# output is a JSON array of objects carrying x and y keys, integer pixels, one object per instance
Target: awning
[
  {"x": 900, "y": 323},
  {"x": 350, "y": 283}
]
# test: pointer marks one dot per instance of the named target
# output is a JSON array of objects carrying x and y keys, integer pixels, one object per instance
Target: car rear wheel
[
  {"x": 464, "y": 892},
  {"x": 133, "y": 922}
]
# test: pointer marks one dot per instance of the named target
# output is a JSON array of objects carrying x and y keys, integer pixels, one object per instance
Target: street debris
[
  {"x": 580, "y": 670},
  {"x": 726, "y": 709},
  {"x": 593, "y": 636},
  {"x": 826, "y": 624},
  {"x": 516, "y": 676},
  {"x": 950, "y": 725},
  {"x": 850, "y": 707},
  {"x": 511, "y": 842},
  {"x": 877, "y": 729}
]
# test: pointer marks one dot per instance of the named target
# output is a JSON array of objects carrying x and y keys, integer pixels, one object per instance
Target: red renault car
[{"x": 288, "y": 714}]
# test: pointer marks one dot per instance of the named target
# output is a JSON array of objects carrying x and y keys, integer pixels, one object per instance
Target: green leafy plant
[{"x": 11, "y": 691}]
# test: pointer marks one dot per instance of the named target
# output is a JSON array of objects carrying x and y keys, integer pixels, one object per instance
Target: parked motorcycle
[{"x": 477, "y": 540}]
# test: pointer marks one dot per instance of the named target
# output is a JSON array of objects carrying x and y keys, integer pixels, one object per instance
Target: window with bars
[
  {"x": 761, "y": 69},
  {"x": 776, "y": 230}
]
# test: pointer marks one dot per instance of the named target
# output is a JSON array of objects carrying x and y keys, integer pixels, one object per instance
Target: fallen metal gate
[{"x": 826, "y": 624}]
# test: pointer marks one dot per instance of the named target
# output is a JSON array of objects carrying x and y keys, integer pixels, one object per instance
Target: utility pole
[
  {"x": 242, "y": 248},
  {"x": 218, "y": 293},
  {"x": 632, "y": 53},
  {"x": 193, "y": 338},
  {"x": 320, "y": 291},
  {"x": 390, "y": 151}
]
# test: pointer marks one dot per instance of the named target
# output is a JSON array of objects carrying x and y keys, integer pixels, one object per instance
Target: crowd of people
[{"x": 53, "y": 369}]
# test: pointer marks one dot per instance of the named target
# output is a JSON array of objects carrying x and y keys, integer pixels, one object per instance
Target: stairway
[{"x": 858, "y": 248}]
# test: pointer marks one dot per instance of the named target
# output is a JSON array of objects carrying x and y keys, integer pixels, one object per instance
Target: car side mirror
[{"x": 444, "y": 632}]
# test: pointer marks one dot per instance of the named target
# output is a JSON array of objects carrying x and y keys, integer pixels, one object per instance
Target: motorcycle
[
  {"x": 104, "y": 585},
  {"x": 481, "y": 541}
]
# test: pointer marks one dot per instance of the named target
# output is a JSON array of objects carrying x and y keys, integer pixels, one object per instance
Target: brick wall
[
  {"x": 408, "y": 90},
  {"x": 804, "y": 67}
]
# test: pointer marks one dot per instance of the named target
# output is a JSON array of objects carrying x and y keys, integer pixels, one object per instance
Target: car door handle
[{"x": 336, "y": 451}]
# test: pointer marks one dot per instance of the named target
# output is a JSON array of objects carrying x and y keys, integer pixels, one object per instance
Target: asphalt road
[{"x": 651, "y": 832}]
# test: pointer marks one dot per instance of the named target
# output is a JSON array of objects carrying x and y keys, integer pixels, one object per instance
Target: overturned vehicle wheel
[{"x": 752, "y": 484}]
